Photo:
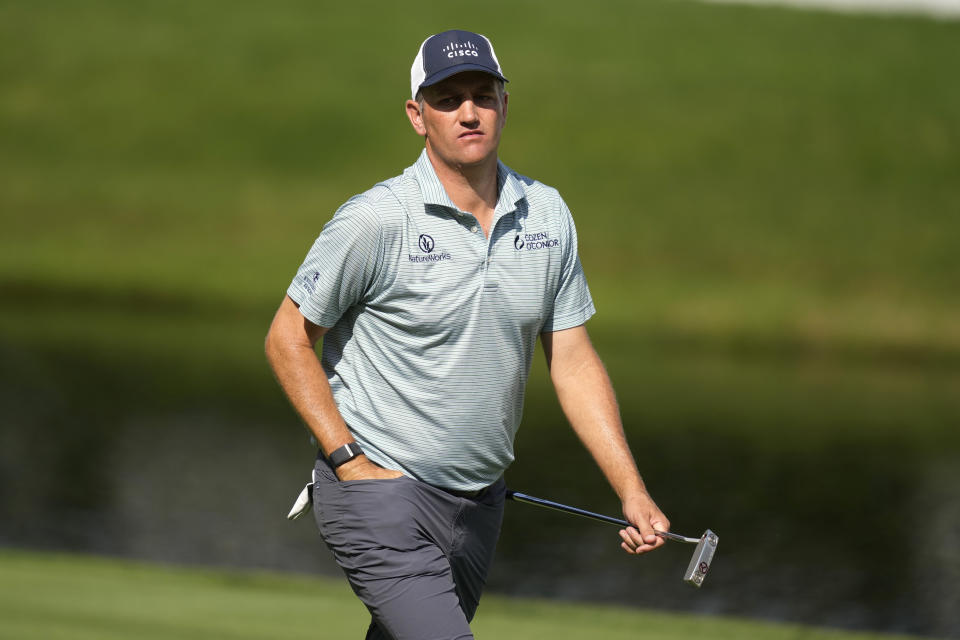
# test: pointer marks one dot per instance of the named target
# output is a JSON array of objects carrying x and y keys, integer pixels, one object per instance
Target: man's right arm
[{"x": 290, "y": 352}]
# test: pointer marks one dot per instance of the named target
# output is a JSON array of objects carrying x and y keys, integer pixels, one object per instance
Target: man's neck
[{"x": 472, "y": 189}]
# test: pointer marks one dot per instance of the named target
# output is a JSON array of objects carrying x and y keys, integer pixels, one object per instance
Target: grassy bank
[
  {"x": 50, "y": 596},
  {"x": 732, "y": 170}
]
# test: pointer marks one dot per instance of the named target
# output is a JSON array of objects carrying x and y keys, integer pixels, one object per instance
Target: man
[{"x": 429, "y": 292}]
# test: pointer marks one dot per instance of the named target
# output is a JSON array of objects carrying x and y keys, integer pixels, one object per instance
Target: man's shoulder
[{"x": 382, "y": 202}]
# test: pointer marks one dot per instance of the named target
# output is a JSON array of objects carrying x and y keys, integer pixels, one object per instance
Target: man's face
[{"x": 461, "y": 118}]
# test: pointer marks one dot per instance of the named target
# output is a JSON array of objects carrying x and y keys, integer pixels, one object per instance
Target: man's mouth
[{"x": 471, "y": 134}]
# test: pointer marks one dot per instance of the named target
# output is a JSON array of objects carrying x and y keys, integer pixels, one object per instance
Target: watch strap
[{"x": 344, "y": 454}]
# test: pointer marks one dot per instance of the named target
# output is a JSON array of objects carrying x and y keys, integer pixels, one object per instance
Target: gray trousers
[{"x": 416, "y": 556}]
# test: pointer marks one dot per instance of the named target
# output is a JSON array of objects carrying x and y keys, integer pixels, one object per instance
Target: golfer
[{"x": 429, "y": 292}]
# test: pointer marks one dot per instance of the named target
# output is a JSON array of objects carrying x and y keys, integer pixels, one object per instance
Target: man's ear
[
  {"x": 416, "y": 117},
  {"x": 505, "y": 97}
]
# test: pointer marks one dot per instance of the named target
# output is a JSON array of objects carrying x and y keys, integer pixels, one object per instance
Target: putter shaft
[{"x": 549, "y": 504}]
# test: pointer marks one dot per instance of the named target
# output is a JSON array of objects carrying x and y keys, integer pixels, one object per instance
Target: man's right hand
[{"x": 362, "y": 468}]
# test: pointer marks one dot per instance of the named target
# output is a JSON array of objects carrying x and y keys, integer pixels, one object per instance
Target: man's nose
[{"x": 468, "y": 112}]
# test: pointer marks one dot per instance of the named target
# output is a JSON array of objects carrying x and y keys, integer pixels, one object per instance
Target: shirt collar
[
  {"x": 510, "y": 189},
  {"x": 430, "y": 186}
]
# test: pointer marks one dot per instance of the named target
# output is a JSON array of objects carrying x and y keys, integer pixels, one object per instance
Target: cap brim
[{"x": 443, "y": 74}]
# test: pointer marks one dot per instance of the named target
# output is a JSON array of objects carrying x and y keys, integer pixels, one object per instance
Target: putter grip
[{"x": 556, "y": 506}]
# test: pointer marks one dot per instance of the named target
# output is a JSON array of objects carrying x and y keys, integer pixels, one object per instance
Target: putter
[{"x": 702, "y": 555}]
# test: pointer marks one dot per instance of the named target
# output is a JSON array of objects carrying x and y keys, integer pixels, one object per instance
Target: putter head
[{"x": 702, "y": 557}]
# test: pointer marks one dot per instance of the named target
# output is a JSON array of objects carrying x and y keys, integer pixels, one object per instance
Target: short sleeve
[
  {"x": 341, "y": 266},
  {"x": 572, "y": 304}
]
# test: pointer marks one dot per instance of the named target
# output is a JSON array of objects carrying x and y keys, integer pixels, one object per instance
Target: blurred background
[{"x": 768, "y": 203}]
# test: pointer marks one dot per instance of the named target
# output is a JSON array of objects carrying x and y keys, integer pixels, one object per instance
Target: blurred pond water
[{"x": 833, "y": 485}]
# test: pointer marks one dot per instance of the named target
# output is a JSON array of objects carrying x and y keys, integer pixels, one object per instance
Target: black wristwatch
[{"x": 344, "y": 454}]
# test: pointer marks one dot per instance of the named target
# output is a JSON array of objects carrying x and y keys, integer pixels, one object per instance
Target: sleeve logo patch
[{"x": 310, "y": 283}]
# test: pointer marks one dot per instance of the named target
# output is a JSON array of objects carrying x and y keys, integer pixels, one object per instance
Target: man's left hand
[{"x": 643, "y": 512}]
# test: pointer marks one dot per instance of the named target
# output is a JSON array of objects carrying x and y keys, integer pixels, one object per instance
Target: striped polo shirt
[{"x": 432, "y": 325}]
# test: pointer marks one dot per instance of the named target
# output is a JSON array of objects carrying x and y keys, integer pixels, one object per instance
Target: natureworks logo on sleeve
[{"x": 427, "y": 245}]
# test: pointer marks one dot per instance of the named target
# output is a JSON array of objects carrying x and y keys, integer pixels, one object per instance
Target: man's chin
[
  {"x": 468, "y": 158},
  {"x": 473, "y": 157}
]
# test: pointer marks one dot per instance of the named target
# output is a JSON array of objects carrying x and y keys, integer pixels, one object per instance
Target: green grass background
[{"x": 731, "y": 169}]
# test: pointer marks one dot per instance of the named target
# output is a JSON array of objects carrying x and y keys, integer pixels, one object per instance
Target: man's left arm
[{"x": 587, "y": 398}]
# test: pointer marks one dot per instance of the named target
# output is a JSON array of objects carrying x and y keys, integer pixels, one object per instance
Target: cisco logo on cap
[{"x": 455, "y": 49}]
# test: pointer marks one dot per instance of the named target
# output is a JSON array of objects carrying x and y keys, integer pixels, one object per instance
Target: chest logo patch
[
  {"x": 426, "y": 243},
  {"x": 535, "y": 241}
]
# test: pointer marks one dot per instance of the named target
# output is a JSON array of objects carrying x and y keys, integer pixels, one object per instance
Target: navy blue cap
[{"x": 444, "y": 54}]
